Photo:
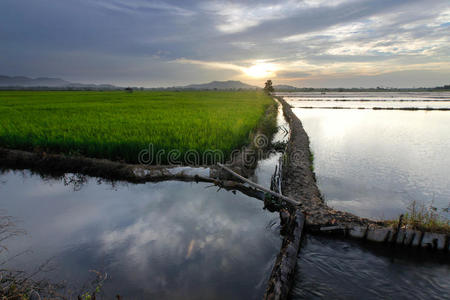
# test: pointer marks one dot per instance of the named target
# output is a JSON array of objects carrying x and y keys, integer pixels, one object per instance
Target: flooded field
[
  {"x": 375, "y": 163},
  {"x": 370, "y": 104},
  {"x": 368, "y": 96},
  {"x": 369, "y": 100}
]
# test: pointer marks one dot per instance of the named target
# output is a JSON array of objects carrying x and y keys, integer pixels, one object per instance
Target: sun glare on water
[{"x": 260, "y": 70}]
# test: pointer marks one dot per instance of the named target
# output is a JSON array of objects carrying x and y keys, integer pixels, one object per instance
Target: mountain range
[
  {"x": 57, "y": 83},
  {"x": 219, "y": 85},
  {"x": 284, "y": 87},
  {"x": 47, "y": 82}
]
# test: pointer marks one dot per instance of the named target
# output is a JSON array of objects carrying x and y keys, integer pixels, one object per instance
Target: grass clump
[
  {"x": 118, "y": 125},
  {"x": 268, "y": 124},
  {"x": 311, "y": 160},
  {"x": 424, "y": 218}
]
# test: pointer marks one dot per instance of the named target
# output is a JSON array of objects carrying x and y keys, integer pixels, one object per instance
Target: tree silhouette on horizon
[{"x": 268, "y": 88}]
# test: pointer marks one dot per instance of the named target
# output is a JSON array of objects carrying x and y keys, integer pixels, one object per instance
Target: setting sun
[{"x": 260, "y": 70}]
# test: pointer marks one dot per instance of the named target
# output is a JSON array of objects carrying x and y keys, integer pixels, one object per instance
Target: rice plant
[{"x": 118, "y": 125}]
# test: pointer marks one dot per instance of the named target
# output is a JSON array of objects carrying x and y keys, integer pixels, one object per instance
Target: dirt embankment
[
  {"x": 59, "y": 164},
  {"x": 299, "y": 181}
]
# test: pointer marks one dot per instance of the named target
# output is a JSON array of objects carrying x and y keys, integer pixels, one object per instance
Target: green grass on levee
[{"x": 118, "y": 125}]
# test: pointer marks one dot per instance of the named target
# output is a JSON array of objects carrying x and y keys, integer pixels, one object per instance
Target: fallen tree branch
[{"x": 260, "y": 187}]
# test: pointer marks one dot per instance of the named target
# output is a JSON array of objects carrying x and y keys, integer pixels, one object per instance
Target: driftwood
[
  {"x": 260, "y": 187},
  {"x": 237, "y": 186}
]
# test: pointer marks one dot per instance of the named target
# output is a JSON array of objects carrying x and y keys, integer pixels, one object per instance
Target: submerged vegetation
[
  {"x": 17, "y": 284},
  {"x": 426, "y": 218},
  {"x": 118, "y": 125},
  {"x": 23, "y": 285}
]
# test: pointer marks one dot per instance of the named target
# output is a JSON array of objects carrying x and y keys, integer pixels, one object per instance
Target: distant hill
[
  {"x": 284, "y": 87},
  {"x": 46, "y": 82},
  {"x": 28, "y": 82},
  {"x": 218, "y": 85}
]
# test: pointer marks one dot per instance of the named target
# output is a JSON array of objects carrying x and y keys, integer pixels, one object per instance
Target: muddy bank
[
  {"x": 283, "y": 272},
  {"x": 59, "y": 164},
  {"x": 299, "y": 181}
]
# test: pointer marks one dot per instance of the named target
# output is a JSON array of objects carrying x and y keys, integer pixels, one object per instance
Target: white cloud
[
  {"x": 239, "y": 16},
  {"x": 139, "y": 6}
]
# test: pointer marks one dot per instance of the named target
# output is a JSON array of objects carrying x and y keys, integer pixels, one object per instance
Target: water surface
[
  {"x": 169, "y": 240},
  {"x": 343, "y": 269},
  {"x": 367, "y": 96},
  {"x": 374, "y": 164},
  {"x": 369, "y": 104}
]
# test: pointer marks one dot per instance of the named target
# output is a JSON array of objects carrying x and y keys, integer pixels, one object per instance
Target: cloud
[
  {"x": 211, "y": 64},
  {"x": 143, "y": 7},
  {"x": 293, "y": 74},
  {"x": 177, "y": 42}
]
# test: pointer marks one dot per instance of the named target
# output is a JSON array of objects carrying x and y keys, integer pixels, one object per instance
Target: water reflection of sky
[
  {"x": 372, "y": 96},
  {"x": 166, "y": 240},
  {"x": 374, "y": 163},
  {"x": 370, "y": 104}
]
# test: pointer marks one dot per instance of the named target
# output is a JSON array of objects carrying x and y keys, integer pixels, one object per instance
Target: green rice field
[{"x": 118, "y": 125}]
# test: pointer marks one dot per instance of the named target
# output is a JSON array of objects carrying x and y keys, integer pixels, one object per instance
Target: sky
[{"x": 309, "y": 43}]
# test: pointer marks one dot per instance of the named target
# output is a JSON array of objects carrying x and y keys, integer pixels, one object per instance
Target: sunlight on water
[{"x": 374, "y": 163}]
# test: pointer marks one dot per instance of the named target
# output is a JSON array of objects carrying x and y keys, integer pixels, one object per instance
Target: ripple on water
[{"x": 337, "y": 269}]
